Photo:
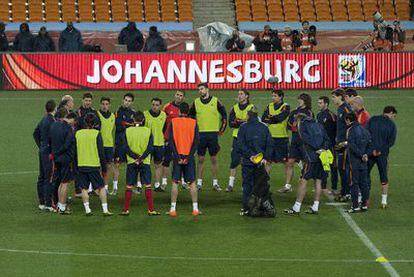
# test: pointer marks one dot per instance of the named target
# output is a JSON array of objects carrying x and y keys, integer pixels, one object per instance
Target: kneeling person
[
  {"x": 90, "y": 160},
  {"x": 315, "y": 141},
  {"x": 183, "y": 139},
  {"x": 138, "y": 144}
]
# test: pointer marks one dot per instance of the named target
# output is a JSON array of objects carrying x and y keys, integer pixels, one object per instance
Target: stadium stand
[
  {"x": 99, "y": 11},
  {"x": 320, "y": 10}
]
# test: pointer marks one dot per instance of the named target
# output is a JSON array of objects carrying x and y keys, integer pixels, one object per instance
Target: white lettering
[
  {"x": 215, "y": 70},
  {"x": 113, "y": 79},
  {"x": 96, "y": 77},
  {"x": 306, "y": 72},
  {"x": 291, "y": 71},
  {"x": 252, "y": 68},
  {"x": 237, "y": 75},
  {"x": 129, "y": 71},
  {"x": 154, "y": 71},
  {"x": 173, "y": 71},
  {"x": 194, "y": 69}
]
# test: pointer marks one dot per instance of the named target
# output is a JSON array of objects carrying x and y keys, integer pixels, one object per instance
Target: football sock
[
  {"x": 359, "y": 197},
  {"x": 90, "y": 187},
  {"x": 139, "y": 184},
  {"x": 183, "y": 182},
  {"x": 288, "y": 186},
  {"x": 195, "y": 206},
  {"x": 315, "y": 206},
  {"x": 106, "y": 187},
  {"x": 231, "y": 181},
  {"x": 384, "y": 199},
  {"x": 150, "y": 202},
  {"x": 164, "y": 181},
  {"x": 296, "y": 206},
  {"x": 105, "y": 207},
  {"x": 173, "y": 205},
  {"x": 87, "y": 209},
  {"x": 128, "y": 196},
  {"x": 115, "y": 185},
  {"x": 215, "y": 182},
  {"x": 199, "y": 182},
  {"x": 61, "y": 206},
  {"x": 157, "y": 185}
]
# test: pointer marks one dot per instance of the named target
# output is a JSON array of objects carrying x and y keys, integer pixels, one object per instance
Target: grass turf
[{"x": 217, "y": 238}]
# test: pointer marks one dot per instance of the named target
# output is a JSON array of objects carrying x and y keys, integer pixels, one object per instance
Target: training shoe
[
  {"x": 42, "y": 207},
  {"x": 196, "y": 213},
  {"x": 384, "y": 205},
  {"x": 354, "y": 210},
  {"x": 124, "y": 213},
  {"x": 152, "y": 213},
  {"x": 311, "y": 211},
  {"x": 65, "y": 212},
  {"x": 285, "y": 189},
  {"x": 364, "y": 208},
  {"x": 216, "y": 188},
  {"x": 290, "y": 212},
  {"x": 89, "y": 214},
  {"x": 108, "y": 213},
  {"x": 244, "y": 212},
  {"x": 199, "y": 187},
  {"x": 229, "y": 189},
  {"x": 158, "y": 189},
  {"x": 114, "y": 192},
  {"x": 50, "y": 209},
  {"x": 163, "y": 187},
  {"x": 184, "y": 186},
  {"x": 171, "y": 213}
]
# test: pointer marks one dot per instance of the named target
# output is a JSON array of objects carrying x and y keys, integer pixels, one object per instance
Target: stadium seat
[
  {"x": 243, "y": 17},
  {"x": 275, "y": 16},
  {"x": 309, "y": 16},
  {"x": 185, "y": 12},
  {"x": 387, "y": 11},
  {"x": 36, "y": 10},
  {"x": 101, "y": 11},
  {"x": 68, "y": 10},
  {"x": 168, "y": 11},
  {"x": 85, "y": 11},
  {"x": 292, "y": 16},
  {"x": 402, "y": 10},
  {"x": 135, "y": 10},
  {"x": 118, "y": 8},
  {"x": 4, "y": 14},
  {"x": 324, "y": 16},
  {"x": 19, "y": 10}
]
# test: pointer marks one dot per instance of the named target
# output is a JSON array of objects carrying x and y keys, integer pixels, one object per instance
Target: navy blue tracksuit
[
  {"x": 383, "y": 134},
  {"x": 253, "y": 138},
  {"x": 341, "y": 129},
  {"x": 124, "y": 116},
  {"x": 359, "y": 141},
  {"x": 41, "y": 137},
  {"x": 328, "y": 121}
]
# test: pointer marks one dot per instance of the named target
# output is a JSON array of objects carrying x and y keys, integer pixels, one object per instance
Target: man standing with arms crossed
[
  {"x": 107, "y": 122},
  {"x": 211, "y": 118},
  {"x": 238, "y": 115},
  {"x": 184, "y": 136}
]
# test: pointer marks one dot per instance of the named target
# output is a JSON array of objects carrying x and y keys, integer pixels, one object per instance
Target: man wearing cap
[
  {"x": 43, "y": 42},
  {"x": 154, "y": 42},
  {"x": 255, "y": 143},
  {"x": 70, "y": 39},
  {"x": 4, "y": 44}
]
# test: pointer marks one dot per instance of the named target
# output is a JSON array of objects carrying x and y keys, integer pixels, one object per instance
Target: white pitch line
[
  {"x": 219, "y": 259},
  {"x": 17, "y": 173},
  {"x": 368, "y": 243}
]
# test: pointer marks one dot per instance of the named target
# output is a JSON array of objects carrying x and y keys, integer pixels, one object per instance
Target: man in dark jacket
[
  {"x": 131, "y": 37},
  {"x": 235, "y": 43},
  {"x": 253, "y": 139},
  {"x": 357, "y": 145},
  {"x": 70, "y": 39},
  {"x": 328, "y": 121},
  {"x": 43, "y": 42},
  {"x": 41, "y": 137},
  {"x": 383, "y": 134},
  {"x": 154, "y": 42},
  {"x": 23, "y": 42},
  {"x": 315, "y": 140},
  {"x": 267, "y": 41},
  {"x": 4, "y": 44}
]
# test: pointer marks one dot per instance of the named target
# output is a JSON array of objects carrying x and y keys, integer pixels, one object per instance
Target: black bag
[{"x": 261, "y": 203}]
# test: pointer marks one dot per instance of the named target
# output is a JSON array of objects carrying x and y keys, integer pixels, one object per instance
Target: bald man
[{"x": 357, "y": 104}]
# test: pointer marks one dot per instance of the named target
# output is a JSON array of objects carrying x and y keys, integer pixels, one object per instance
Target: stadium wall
[{"x": 81, "y": 71}]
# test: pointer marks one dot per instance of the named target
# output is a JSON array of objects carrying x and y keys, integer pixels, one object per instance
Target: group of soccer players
[{"x": 87, "y": 146}]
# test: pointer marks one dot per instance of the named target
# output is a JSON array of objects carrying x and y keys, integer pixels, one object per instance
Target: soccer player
[
  {"x": 90, "y": 160},
  {"x": 253, "y": 139},
  {"x": 85, "y": 109},
  {"x": 357, "y": 146},
  {"x": 61, "y": 143},
  {"x": 357, "y": 105},
  {"x": 41, "y": 137},
  {"x": 211, "y": 118},
  {"x": 296, "y": 154},
  {"x": 172, "y": 110},
  {"x": 383, "y": 134},
  {"x": 315, "y": 141},
  {"x": 338, "y": 98},
  {"x": 276, "y": 117},
  {"x": 155, "y": 120},
  {"x": 67, "y": 103},
  {"x": 328, "y": 121},
  {"x": 138, "y": 145},
  {"x": 124, "y": 118},
  {"x": 350, "y": 94},
  {"x": 183, "y": 136},
  {"x": 107, "y": 122},
  {"x": 238, "y": 116}
]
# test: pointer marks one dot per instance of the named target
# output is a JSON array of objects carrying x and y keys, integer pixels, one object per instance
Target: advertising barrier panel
[{"x": 78, "y": 71}]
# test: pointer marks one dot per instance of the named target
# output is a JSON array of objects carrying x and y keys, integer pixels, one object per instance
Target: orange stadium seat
[
  {"x": 118, "y": 8},
  {"x": 387, "y": 11},
  {"x": 4, "y": 14},
  {"x": 85, "y": 11},
  {"x": 35, "y": 10},
  {"x": 308, "y": 15},
  {"x": 101, "y": 11},
  {"x": 168, "y": 11},
  {"x": 185, "y": 12},
  {"x": 276, "y": 16},
  {"x": 68, "y": 10},
  {"x": 402, "y": 9},
  {"x": 52, "y": 10},
  {"x": 260, "y": 17},
  {"x": 324, "y": 16},
  {"x": 292, "y": 16},
  {"x": 135, "y": 10},
  {"x": 19, "y": 9}
]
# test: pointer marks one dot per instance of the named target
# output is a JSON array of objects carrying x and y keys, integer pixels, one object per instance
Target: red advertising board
[{"x": 221, "y": 70}]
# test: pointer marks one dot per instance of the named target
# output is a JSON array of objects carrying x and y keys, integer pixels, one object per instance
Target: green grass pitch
[{"x": 219, "y": 243}]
